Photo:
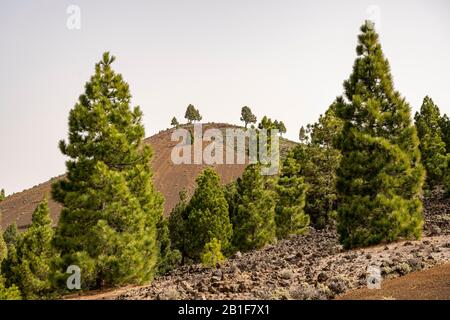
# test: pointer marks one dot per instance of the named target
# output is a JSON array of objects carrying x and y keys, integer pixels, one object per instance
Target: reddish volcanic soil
[{"x": 431, "y": 284}]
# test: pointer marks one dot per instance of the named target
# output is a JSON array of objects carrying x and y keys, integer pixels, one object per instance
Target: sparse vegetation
[
  {"x": 192, "y": 114},
  {"x": 174, "y": 122},
  {"x": 247, "y": 116}
]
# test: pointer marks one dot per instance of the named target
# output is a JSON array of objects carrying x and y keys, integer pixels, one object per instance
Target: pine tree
[
  {"x": 192, "y": 114},
  {"x": 13, "y": 240},
  {"x": 168, "y": 258},
  {"x": 247, "y": 116},
  {"x": 276, "y": 124},
  {"x": 380, "y": 176},
  {"x": 290, "y": 217},
  {"x": 177, "y": 226},
  {"x": 432, "y": 148},
  {"x": 444, "y": 124},
  {"x": 302, "y": 136},
  {"x": 174, "y": 122},
  {"x": 253, "y": 217},
  {"x": 2, "y": 195},
  {"x": 110, "y": 209},
  {"x": 31, "y": 268},
  {"x": 281, "y": 127},
  {"x": 207, "y": 215},
  {"x": 11, "y": 235},
  {"x": 266, "y": 123},
  {"x": 3, "y": 247},
  {"x": 318, "y": 161}
]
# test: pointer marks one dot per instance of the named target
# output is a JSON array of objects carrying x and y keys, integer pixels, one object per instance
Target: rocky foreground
[{"x": 313, "y": 266}]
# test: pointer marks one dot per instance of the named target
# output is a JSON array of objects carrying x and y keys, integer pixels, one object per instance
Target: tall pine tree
[
  {"x": 318, "y": 160},
  {"x": 290, "y": 217},
  {"x": 110, "y": 207},
  {"x": 380, "y": 177},
  {"x": 177, "y": 225},
  {"x": 432, "y": 148},
  {"x": 252, "y": 210}
]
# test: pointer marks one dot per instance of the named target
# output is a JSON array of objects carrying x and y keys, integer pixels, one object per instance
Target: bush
[
  {"x": 11, "y": 293},
  {"x": 212, "y": 253}
]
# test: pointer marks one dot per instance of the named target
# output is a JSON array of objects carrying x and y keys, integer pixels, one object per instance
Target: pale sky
[{"x": 284, "y": 59}]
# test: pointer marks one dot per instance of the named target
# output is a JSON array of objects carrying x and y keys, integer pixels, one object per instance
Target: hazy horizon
[{"x": 283, "y": 59}]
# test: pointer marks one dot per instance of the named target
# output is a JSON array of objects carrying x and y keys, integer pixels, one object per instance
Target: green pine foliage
[
  {"x": 447, "y": 176},
  {"x": 2, "y": 195},
  {"x": 3, "y": 247},
  {"x": 12, "y": 239},
  {"x": 11, "y": 235},
  {"x": 252, "y": 210},
  {"x": 318, "y": 161},
  {"x": 281, "y": 127},
  {"x": 290, "y": 217},
  {"x": 177, "y": 226},
  {"x": 110, "y": 207},
  {"x": 168, "y": 258},
  {"x": 267, "y": 123},
  {"x": 174, "y": 122},
  {"x": 10, "y": 293},
  {"x": 247, "y": 116},
  {"x": 206, "y": 215},
  {"x": 31, "y": 265},
  {"x": 302, "y": 135},
  {"x": 212, "y": 253},
  {"x": 432, "y": 148},
  {"x": 444, "y": 123},
  {"x": 192, "y": 114},
  {"x": 380, "y": 177}
]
